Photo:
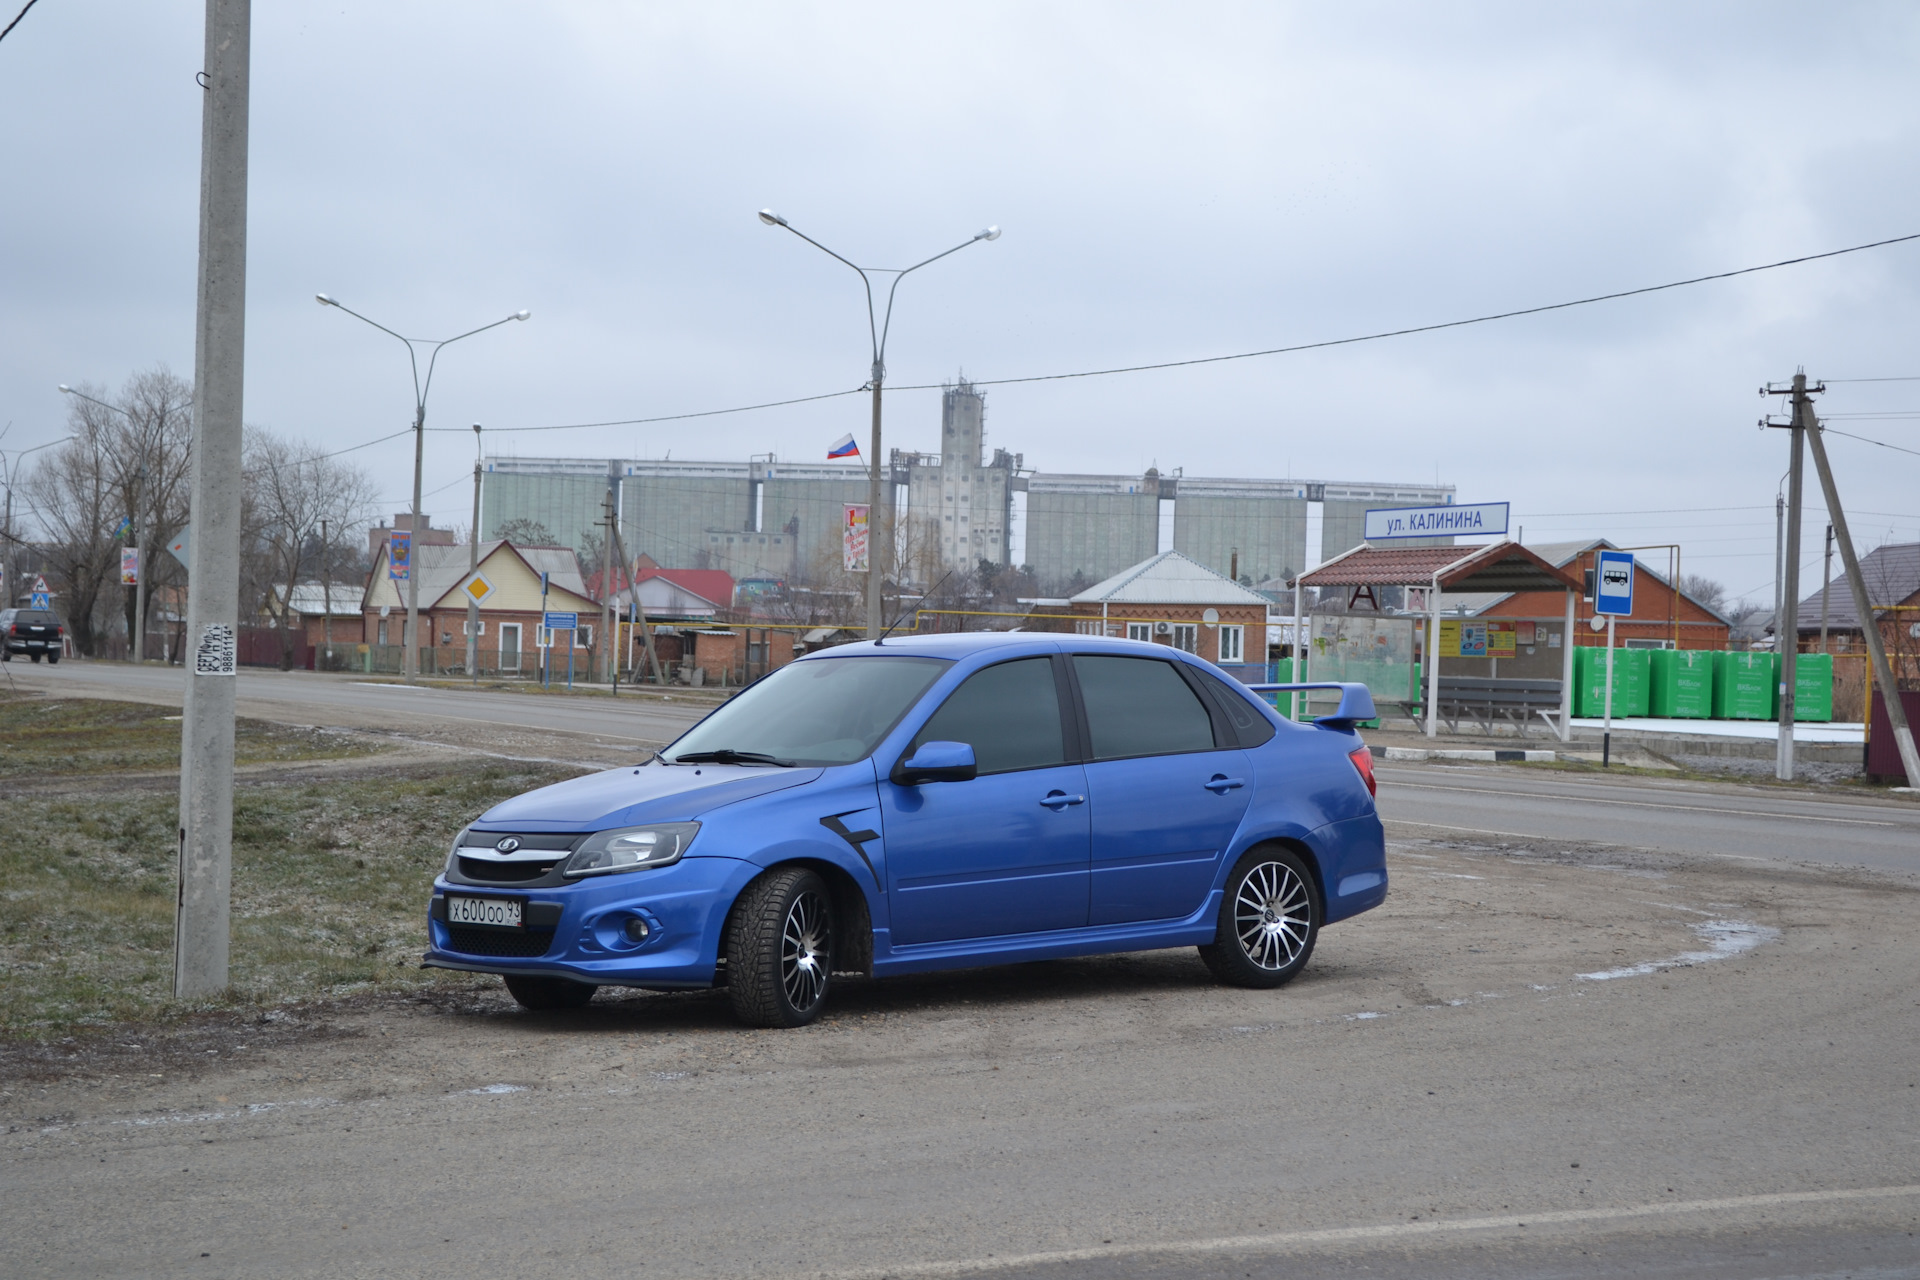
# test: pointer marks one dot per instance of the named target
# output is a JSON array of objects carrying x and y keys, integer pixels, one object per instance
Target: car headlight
[{"x": 631, "y": 849}]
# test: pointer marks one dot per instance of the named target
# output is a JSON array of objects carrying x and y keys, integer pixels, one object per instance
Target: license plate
[{"x": 500, "y": 911}]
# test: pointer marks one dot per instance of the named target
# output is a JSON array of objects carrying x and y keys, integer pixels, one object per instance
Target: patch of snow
[{"x": 1724, "y": 938}]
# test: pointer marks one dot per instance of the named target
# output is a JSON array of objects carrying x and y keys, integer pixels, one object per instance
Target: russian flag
[{"x": 844, "y": 447}]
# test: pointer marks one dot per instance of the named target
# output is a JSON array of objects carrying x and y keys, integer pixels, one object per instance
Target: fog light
[{"x": 637, "y": 930}]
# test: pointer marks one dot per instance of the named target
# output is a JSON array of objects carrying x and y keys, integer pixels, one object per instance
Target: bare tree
[
  {"x": 293, "y": 486},
  {"x": 1705, "y": 591},
  {"x": 522, "y": 532}
]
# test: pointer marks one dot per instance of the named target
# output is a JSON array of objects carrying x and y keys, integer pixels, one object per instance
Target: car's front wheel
[
  {"x": 780, "y": 949},
  {"x": 549, "y": 993},
  {"x": 1269, "y": 920}
]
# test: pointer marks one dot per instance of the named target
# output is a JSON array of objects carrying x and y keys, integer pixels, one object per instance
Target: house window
[
  {"x": 1140, "y": 631},
  {"x": 467, "y": 628},
  {"x": 1087, "y": 627},
  {"x": 1186, "y": 637},
  {"x": 383, "y": 632},
  {"x": 1231, "y": 643}
]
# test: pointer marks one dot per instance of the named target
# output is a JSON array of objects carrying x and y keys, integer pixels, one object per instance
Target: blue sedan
[{"x": 929, "y": 803}]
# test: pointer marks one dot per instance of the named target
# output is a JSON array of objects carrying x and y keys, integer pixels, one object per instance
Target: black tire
[
  {"x": 1269, "y": 921},
  {"x": 549, "y": 993},
  {"x": 780, "y": 949},
  {"x": 52, "y": 658}
]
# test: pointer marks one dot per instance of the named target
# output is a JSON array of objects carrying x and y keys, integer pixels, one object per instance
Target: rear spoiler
[{"x": 1356, "y": 702}]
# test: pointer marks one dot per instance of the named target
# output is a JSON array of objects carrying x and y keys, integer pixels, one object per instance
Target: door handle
[
  {"x": 1058, "y": 800},
  {"x": 1220, "y": 784}
]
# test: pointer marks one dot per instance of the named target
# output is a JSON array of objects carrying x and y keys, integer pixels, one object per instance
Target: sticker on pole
[
  {"x": 1613, "y": 583},
  {"x": 214, "y": 654},
  {"x": 478, "y": 588},
  {"x": 853, "y": 539}
]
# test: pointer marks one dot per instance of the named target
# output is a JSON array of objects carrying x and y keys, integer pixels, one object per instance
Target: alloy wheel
[
  {"x": 1272, "y": 915},
  {"x": 804, "y": 959}
]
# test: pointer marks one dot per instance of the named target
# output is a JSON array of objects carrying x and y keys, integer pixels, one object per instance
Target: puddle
[{"x": 1724, "y": 938}]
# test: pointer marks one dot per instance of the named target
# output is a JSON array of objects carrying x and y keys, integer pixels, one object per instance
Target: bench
[{"x": 1484, "y": 699}]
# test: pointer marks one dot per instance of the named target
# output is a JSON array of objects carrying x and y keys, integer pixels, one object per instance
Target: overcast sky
[{"x": 1173, "y": 181}]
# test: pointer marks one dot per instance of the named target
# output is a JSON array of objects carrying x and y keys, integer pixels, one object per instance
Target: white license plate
[{"x": 502, "y": 911}]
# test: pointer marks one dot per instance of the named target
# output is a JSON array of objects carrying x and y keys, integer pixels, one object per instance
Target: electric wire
[{"x": 16, "y": 20}]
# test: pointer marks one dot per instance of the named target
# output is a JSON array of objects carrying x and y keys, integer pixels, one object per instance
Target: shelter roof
[
  {"x": 1501, "y": 567},
  {"x": 311, "y": 599},
  {"x": 1169, "y": 578},
  {"x": 1892, "y": 575}
]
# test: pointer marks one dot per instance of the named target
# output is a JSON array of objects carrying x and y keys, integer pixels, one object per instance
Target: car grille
[
  {"x": 524, "y": 944},
  {"x": 485, "y": 872}
]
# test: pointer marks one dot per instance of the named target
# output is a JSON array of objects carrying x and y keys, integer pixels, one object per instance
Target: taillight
[{"x": 1363, "y": 761}]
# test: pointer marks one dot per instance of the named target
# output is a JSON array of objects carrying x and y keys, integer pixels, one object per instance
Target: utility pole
[
  {"x": 139, "y": 566},
  {"x": 1826, "y": 577},
  {"x": 639, "y": 610},
  {"x": 1863, "y": 609},
  {"x": 1787, "y": 620},
  {"x": 213, "y": 603},
  {"x": 326, "y": 600},
  {"x": 473, "y": 567},
  {"x": 606, "y": 580}
]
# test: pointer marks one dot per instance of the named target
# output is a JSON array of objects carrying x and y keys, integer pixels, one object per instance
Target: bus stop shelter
[{"x": 1500, "y": 568}]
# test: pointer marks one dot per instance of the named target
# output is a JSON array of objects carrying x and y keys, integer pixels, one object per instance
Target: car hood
[{"x": 650, "y": 793}]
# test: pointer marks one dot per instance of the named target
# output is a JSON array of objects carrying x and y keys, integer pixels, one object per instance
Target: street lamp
[
  {"x": 141, "y": 567},
  {"x": 8, "y": 470},
  {"x": 411, "y": 661},
  {"x": 877, "y": 332}
]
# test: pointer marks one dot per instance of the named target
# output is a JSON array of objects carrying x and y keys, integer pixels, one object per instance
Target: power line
[
  {"x": 1244, "y": 355},
  {"x": 16, "y": 20},
  {"x": 1908, "y": 378},
  {"x": 1882, "y": 443}
]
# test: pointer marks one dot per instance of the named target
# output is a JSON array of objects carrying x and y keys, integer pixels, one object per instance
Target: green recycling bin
[
  {"x": 1280, "y": 671},
  {"x": 1682, "y": 684},
  {"x": 1813, "y": 686},
  {"x": 1631, "y": 682},
  {"x": 1744, "y": 686}
]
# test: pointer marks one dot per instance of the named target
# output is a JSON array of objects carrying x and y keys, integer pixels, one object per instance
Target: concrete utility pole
[
  {"x": 1787, "y": 624},
  {"x": 473, "y": 567},
  {"x": 326, "y": 601},
  {"x": 606, "y": 580},
  {"x": 213, "y": 602},
  {"x": 1863, "y": 609},
  {"x": 140, "y": 568},
  {"x": 639, "y": 610},
  {"x": 879, "y": 539}
]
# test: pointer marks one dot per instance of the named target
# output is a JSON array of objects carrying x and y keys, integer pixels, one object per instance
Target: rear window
[
  {"x": 35, "y": 617},
  {"x": 1249, "y": 725},
  {"x": 1140, "y": 707}
]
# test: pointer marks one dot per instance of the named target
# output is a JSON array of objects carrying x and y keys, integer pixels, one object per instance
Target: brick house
[
  {"x": 1172, "y": 600},
  {"x": 511, "y": 635}
]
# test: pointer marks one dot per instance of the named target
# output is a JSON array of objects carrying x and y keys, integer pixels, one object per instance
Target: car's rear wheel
[
  {"x": 780, "y": 949},
  {"x": 549, "y": 993},
  {"x": 34, "y": 656},
  {"x": 52, "y": 658},
  {"x": 1269, "y": 920}
]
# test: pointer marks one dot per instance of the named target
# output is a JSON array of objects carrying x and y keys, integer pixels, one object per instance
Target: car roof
[{"x": 968, "y": 644}]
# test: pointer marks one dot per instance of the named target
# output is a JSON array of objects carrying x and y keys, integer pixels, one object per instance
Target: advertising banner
[
  {"x": 853, "y": 541},
  {"x": 129, "y": 566},
  {"x": 399, "y": 555}
]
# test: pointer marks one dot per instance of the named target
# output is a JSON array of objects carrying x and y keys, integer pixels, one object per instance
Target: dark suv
[{"x": 30, "y": 631}]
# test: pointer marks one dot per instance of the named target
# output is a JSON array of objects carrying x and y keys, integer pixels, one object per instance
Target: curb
[{"x": 1465, "y": 753}]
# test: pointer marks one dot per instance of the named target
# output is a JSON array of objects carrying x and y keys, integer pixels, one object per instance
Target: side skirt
[{"x": 1195, "y": 930}]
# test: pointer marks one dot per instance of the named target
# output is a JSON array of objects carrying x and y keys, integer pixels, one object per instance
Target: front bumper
[{"x": 578, "y": 931}]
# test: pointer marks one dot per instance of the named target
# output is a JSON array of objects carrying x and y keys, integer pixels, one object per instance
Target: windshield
[{"x": 824, "y": 711}]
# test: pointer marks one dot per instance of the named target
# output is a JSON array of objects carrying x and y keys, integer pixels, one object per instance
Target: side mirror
[{"x": 937, "y": 762}]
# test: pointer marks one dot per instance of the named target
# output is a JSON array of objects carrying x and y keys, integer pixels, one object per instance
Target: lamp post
[
  {"x": 877, "y": 332},
  {"x": 8, "y": 470},
  {"x": 139, "y": 636},
  {"x": 473, "y": 566},
  {"x": 411, "y": 639}
]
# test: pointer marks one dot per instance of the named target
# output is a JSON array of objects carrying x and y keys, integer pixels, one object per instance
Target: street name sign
[
  {"x": 1613, "y": 584},
  {"x": 1447, "y": 521},
  {"x": 561, "y": 621}
]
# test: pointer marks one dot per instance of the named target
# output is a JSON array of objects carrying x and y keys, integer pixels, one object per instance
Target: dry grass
[
  {"x": 330, "y": 878},
  {"x": 66, "y": 736}
]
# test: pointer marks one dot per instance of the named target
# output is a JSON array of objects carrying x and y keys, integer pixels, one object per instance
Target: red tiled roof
[{"x": 715, "y": 586}]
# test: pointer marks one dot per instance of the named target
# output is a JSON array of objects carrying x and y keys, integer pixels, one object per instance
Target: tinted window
[
  {"x": 1009, "y": 714},
  {"x": 1249, "y": 725},
  {"x": 822, "y": 711},
  {"x": 1140, "y": 707}
]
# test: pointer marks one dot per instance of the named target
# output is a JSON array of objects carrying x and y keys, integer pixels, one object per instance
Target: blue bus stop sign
[{"x": 1613, "y": 583}]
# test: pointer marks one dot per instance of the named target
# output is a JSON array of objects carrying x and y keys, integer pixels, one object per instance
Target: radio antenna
[{"x": 915, "y": 605}]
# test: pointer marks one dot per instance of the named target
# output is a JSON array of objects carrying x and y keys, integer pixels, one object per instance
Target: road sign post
[{"x": 1612, "y": 598}]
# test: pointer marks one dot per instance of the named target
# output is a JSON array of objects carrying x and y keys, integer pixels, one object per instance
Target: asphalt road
[
  {"x": 304, "y": 697},
  {"x": 1721, "y": 820}
]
